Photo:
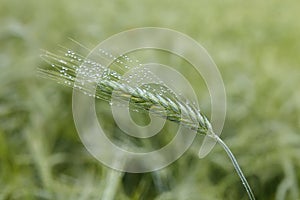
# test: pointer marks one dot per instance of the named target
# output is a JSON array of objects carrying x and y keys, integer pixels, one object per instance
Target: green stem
[
  {"x": 236, "y": 167},
  {"x": 112, "y": 183}
]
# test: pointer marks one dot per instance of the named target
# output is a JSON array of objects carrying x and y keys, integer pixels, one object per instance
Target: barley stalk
[{"x": 66, "y": 68}]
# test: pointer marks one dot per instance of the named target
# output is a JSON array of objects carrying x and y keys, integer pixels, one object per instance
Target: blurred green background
[{"x": 256, "y": 47}]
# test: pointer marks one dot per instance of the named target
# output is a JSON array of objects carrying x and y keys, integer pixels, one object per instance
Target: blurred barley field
[{"x": 256, "y": 46}]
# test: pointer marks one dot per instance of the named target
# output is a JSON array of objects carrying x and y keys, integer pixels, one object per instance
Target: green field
[{"x": 255, "y": 45}]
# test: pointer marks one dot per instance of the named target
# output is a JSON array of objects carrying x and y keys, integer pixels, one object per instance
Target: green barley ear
[{"x": 64, "y": 69}]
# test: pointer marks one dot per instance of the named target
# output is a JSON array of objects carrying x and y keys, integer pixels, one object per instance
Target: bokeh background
[{"x": 256, "y": 47}]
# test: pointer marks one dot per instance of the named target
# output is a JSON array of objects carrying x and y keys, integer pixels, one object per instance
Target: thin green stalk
[
  {"x": 113, "y": 179},
  {"x": 236, "y": 166}
]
